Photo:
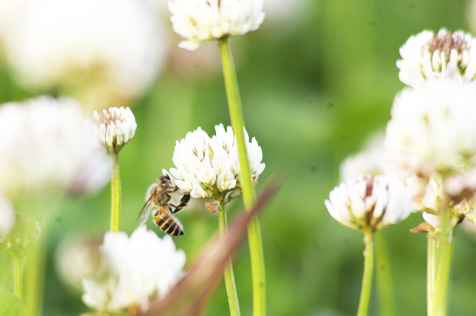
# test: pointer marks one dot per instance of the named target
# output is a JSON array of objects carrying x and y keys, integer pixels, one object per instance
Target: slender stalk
[
  {"x": 384, "y": 276},
  {"x": 115, "y": 194},
  {"x": 431, "y": 272},
  {"x": 34, "y": 276},
  {"x": 368, "y": 272},
  {"x": 228, "y": 274},
  {"x": 17, "y": 277},
  {"x": 249, "y": 195},
  {"x": 442, "y": 267}
]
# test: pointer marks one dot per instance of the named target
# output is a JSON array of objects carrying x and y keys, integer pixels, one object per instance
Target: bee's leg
[{"x": 182, "y": 204}]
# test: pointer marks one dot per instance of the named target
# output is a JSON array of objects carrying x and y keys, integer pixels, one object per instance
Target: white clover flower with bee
[
  {"x": 202, "y": 20},
  {"x": 142, "y": 268},
  {"x": 370, "y": 202},
  {"x": 207, "y": 167},
  {"x": 427, "y": 56}
]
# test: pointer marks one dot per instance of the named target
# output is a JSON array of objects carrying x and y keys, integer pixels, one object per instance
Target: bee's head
[{"x": 164, "y": 178}]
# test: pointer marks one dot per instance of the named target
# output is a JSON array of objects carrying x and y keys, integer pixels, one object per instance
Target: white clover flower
[
  {"x": 201, "y": 20},
  {"x": 429, "y": 57},
  {"x": 7, "y": 216},
  {"x": 434, "y": 126},
  {"x": 369, "y": 203},
  {"x": 45, "y": 145},
  {"x": 115, "y": 127},
  {"x": 142, "y": 267},
  {"x": 101, "y": 51},
  {"x": 206, "y": 167}
]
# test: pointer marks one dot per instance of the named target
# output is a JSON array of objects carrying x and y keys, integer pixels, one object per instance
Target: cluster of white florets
[
  {"x": 430, "y": 140},
  {"x": 201, "y": 20},
  {"x": 114, "y": 127},
  {"x": 206, "y": 167},
  {"x": 427, "y": 56},
  {"x": 139, "y": 269}
]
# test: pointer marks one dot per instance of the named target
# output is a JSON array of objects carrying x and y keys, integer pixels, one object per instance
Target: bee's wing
[{"x": 145, "y": 211}]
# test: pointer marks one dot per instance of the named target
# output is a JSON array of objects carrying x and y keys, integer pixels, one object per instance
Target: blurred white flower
[
  {"x": 7, "y": 216},
  {"x": 369, "y": 203},
  {"x": 429, "y": 57},
  {"x": 142, "y": 267},
  {"x": 462, "y": 185},
  {"x": 434, "y": 126},
  {"x": 208, "y": 166},
  {"x": 202, "y": 20},
  {"x": 374, "y": 159},
  {"x": 46, "y": 144},
  {"x": 79, "y": 257},
  {"x": 93, "y": 174},
  {"x": 99, "y": 51},
  {"x": 115, "y": 127},
  {"x": 9, "y": 12}
]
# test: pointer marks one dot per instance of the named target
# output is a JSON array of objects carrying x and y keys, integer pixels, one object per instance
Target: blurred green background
[{"x": 314, "y": 84}]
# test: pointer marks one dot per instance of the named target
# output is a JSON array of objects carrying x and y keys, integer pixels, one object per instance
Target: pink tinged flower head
[
  {"x": 427, "y": 56},
  {"x": 143, "y": 267},
  {"x": 202, "y": 20},
  {"x": 369, "y": 203}
]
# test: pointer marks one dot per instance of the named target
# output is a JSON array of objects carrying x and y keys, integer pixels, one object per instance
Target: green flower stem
[
  {"x": 115, "y": 194},
  {"x": 17, "y": 277},
  {"x": 444, "y": 249},
  {"x": 34, "y": 277},
  {"x": 431, "y": 272},
  {"x": 229, "y": 277},
  {"x": 249, "y": 195},
  {"x": 368, "y": 272},
  {"x": 384, "y": 276}
]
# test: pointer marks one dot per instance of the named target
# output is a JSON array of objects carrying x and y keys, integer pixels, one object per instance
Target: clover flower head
[
  {"x": 202, "y": 20},
  {"x": 434, "y": 126},
  {"x": 209, "y": 167},
  {"x": 115, "y": 127},
  {"x": 48, "y": 144},
  {"x": 142, "y": 268},
  {"x": 98, "y": 51},
  {"x": 369, "y": 203},
  {"x": 427, "y": 56}
]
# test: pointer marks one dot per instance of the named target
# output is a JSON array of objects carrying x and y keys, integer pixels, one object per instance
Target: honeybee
[{"x": 159, "y": 196}]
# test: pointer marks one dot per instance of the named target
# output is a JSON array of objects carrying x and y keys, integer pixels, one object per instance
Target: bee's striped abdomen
[{"x": 167, "y": 222}]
